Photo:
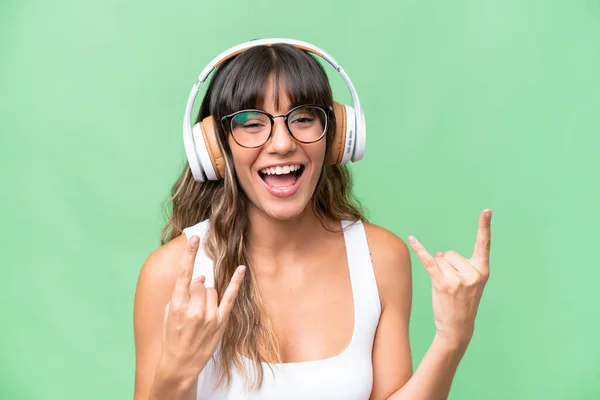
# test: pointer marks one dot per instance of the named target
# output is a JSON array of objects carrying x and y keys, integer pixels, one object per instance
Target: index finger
[
  {"x": 426, "y": 259},
  {"x": 181, "y": 293},
  {"x": 231, "y": 292},
  {"x": 481, "y": 252}
]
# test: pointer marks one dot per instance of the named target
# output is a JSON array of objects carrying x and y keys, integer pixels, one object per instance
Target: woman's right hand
[{"x": 194, "y": 319}]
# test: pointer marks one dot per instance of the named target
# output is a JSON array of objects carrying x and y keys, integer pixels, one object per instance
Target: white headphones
[{"x": 201, "y": 143}]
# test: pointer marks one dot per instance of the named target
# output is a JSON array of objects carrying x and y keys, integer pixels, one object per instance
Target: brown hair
[{"x": 237, "y": 84}]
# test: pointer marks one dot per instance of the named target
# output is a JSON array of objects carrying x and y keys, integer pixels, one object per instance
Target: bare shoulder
[
  {"x": 392, "y": 359},
  {"x": 162, "y": 262},
  {"x": 157, "y": 276},
  {"x": 391, "y": 263}
]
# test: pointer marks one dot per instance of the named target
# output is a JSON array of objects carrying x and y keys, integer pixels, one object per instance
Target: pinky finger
[{"x": 231, "y": 292}]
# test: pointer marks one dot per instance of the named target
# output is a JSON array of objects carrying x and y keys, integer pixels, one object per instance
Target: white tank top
[{"x": 347, "y": 376}]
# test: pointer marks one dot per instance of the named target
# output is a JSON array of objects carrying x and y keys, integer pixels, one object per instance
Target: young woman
[{"x": 270, "y": 283}]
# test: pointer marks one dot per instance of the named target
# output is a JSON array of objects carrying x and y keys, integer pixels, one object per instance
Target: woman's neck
[{"x": 274, "y": 238}]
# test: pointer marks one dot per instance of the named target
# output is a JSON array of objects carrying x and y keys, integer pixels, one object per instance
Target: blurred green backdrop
[{"x": 469, "y": 104}]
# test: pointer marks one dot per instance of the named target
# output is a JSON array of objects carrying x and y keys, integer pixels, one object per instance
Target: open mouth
[{"x": 282, "y": 177}]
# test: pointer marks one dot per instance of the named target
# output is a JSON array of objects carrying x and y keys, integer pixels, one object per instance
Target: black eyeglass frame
[{"x": 326, "y": 109}]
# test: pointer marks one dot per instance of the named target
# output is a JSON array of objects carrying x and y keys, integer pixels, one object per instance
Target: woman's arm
[
  {"x": 392, "y": 362},
  {"x": 457, "y": 286},
  {"x": 433, "y": 378},
  {"x": 174, "y": 343},
  {"x": 154, "y": 289},
  {"x": 392, "y": 359}
]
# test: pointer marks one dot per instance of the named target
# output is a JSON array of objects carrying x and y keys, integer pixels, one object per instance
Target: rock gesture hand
[{"x": 457, "y": 284}]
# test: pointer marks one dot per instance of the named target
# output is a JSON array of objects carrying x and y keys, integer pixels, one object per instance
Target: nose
[{"x": 281, "y": 141}]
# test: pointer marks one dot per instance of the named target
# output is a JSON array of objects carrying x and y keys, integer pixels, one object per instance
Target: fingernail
[
  {"x": 412, "y": 239},
  {"x": 488, "y": 213},
  {"x": 201, "y": 278},
  {"x": 194, "y": 240},
  {"x": 241, "y": 269}
]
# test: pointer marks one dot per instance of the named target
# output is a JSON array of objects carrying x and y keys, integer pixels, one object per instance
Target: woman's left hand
[{"x": 457, "y": 284}]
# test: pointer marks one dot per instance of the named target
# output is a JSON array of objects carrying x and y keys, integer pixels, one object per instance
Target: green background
[{"x": 469, "y": 104}]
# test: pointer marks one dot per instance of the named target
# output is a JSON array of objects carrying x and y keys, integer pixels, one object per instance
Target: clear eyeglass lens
[
  {"x": 250, "y": 128},
  {"x": 307, "y": 124}
]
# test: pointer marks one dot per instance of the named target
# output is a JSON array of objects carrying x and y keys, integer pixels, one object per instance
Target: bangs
[{"x": 243, "y": 81}]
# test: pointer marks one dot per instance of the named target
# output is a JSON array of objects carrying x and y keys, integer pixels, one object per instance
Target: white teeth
[{"x": 280, "y": 170}]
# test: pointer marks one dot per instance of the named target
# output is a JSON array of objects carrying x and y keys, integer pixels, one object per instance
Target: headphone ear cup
[
  {"x": 343, "y": 141},
  {"x": 190, "y": 137},
  {"x": 337, "y": 144},
  {"x": 215, "y": 163},
  {"x": 208, "y": 150}
]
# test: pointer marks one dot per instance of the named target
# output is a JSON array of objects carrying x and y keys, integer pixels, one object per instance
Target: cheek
[
  {"x": 242, "y": 161},
  {"x": 317, "y": 154}
]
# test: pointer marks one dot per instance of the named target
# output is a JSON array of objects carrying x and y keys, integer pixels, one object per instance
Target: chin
[{"x": 284, "y": 212}]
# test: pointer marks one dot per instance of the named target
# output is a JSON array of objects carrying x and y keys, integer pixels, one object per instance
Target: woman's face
[{"x": 278, "y": 194}]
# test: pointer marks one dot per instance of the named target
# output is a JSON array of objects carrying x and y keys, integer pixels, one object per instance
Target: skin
[
  {"x": 280, "y": 148},
  {"x": 295, "y": 257}
]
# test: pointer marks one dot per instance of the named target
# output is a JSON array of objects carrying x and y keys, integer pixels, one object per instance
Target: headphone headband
[{"x": 359, "y": 132}]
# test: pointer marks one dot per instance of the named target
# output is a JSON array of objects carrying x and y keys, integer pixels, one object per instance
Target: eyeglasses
[{"x": 253, "y": 128}]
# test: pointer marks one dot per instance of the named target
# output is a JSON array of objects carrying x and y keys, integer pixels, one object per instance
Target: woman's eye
[
  {"x": 253, "y": 125},
  {"x": 303, "y": 120}
]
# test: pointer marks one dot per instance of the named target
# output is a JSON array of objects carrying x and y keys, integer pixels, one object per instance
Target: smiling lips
[{"x": 282, "y": 181}]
